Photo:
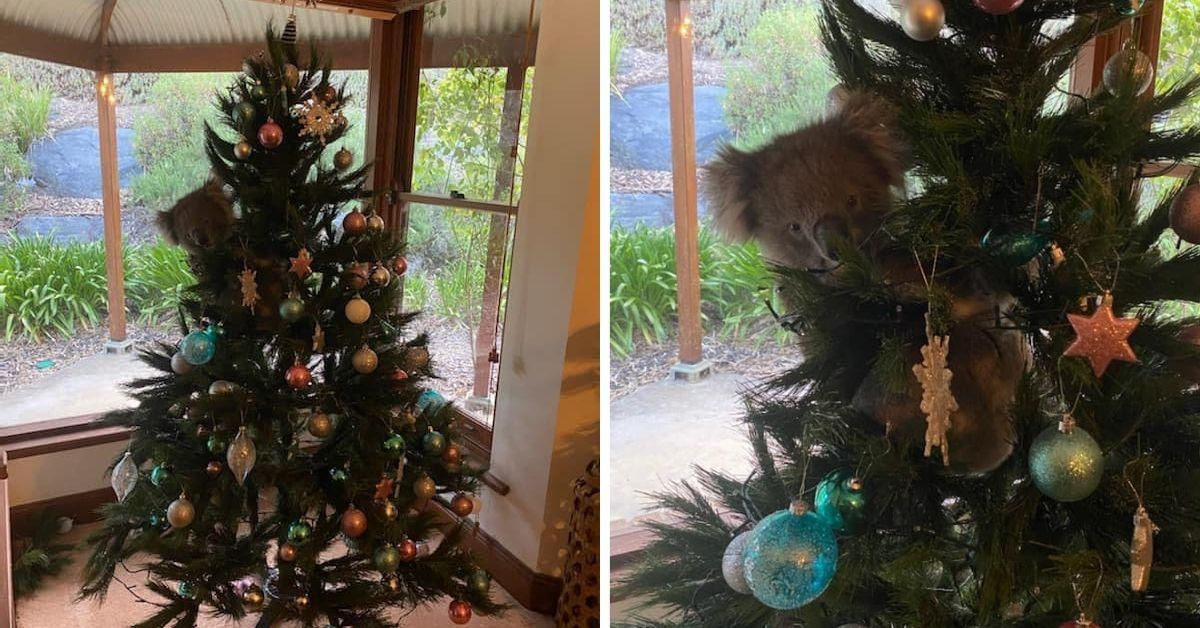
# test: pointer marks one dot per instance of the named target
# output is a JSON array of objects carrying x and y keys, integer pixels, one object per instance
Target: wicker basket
[{"x": 579, "y": 604}]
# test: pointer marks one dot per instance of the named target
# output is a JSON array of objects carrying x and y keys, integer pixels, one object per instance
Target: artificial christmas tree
[
  {"x": 998, "y": 379},
  {"x": 282, "y": 462}
]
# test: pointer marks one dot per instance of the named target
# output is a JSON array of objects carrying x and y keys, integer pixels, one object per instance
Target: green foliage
[
  {"x": 13, "y": 167},
  {"x": 616, "y": 46},
  {"x": 734, "y": 283},
  {"x": 51, "y": 289},
  {"x": 1179, "y": 54},
  {"x": 24, "y": 110},
  {"x": 74, "y": 83},
  {"x": 720, "y": 25},
  {"x": 782, "y": 79},
  {"x": 39, "y": 556}
]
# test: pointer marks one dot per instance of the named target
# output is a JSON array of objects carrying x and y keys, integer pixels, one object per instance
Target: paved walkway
[
  {"x": 93, "y": 384},
  {"x": 659, "y": 432}
]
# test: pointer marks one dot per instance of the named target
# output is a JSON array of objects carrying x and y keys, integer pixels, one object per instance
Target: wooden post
[
  {"x": 683, "y": 171},
  {"x": 7, "y": 607},
  {"x": 106, "y": 104},
  {"x": 498, "y": 230}
]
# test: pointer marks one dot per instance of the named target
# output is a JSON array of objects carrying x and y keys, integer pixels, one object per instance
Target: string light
[{"x": 685, "y": 26}]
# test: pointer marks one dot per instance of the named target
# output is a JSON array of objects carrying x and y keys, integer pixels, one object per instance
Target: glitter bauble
[
  {"x": 358, "y": 310},
  {"x": 287, "y": 552},
  {"x": 375, "y": 223},
  {"x": 365, "y": 360},
  {"x": 198, "y": 347},
  {"x": 452, "y": 454},
  {"x": 221, "y": 387},
  {"x": 1129, "y": 69},
  {"x": 1185, "y": 214},
  {"x": 298, "y": 376},
  {"x": 299, "y": 532},
  {"x": 408, "y": 550},
  {"x": 291, "y": 76},
  {"x": 922, "y": 20},
  {"x": 460, "y": 612},
  {"x": 998, "y": 7},
  {"x": 354, "y": 522},
  {"x": 462, "y": 505},
  {"x": 159, "y": 475},
  {"x": 179, "y": 364},
  {"x": 354, "y": 223},
  {"x": 186, "y": 590},
  {"x": 433, "y": 443},
  {"x": 270, "y": 135},
  {"x": 242, "y": 150},
  {"x": 425, "y": 488},
  {"x": 840, "y": 500},
  {"x": 1066, "y": 466},
  {"x": 430, "y": 399},
  {"x": 734, "y": 561},
  {"x": 245, "y": 112},
  {"x": 394, "y": 445},
  {"x": 357, "y": 276},
  {"x": 1128, "y": 8},
  {"x": 181, "y": 513},
  {"x": 399, "y": 266},
  {"x": 252, "y": 598},
  {"x": 291, "y": 309},
  {"x": 214, "y": 468},
  {"x": 320, "y": 425},
  {"x": 479, "y": 582},
  {"x": 380, "y": 276},
  {"x": 791, "y": 558},
  {"x": 386, "y": 559},
  {"x": 390, "y": 511},
  {"x": 343, "y": 159}
]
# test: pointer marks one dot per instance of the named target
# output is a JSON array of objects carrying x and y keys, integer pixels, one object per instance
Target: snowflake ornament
[
  {"x": 937, "y": 402},
  {"x": 318, "y": 118}
]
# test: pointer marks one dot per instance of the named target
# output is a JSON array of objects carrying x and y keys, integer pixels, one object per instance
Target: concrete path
[
  {"x": 659, "y": 432},
  {"x": 93, "y": 384}
]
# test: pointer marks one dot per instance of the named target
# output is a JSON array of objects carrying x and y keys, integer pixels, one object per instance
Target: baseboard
[{"x": 82, "y": 507}]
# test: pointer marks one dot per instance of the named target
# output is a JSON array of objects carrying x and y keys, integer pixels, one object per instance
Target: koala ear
[
  {"x": 165, "y": 220},
  {"x": 872, "y": 121},
  {"x": 727, "y": 182}
]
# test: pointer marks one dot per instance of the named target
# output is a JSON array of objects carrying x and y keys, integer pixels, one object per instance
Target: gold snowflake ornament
[
  {"x": 318, "y": 118},
  {"x": 937, "y": 401},
  {"x": 249, "y": 288}
]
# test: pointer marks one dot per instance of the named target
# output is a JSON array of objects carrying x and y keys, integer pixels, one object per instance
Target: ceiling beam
[
  {"x": 374, "y": 9},
  {"x": 37, "y": 44},
  {"x": 106, "y": 14},
  {"x": 222, "y": 57},
  {"x": 403, "y": 6}
]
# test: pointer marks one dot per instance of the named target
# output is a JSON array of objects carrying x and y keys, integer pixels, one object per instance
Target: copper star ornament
[
  {"x": 302, "y": 264},
  {"x": 1102, "y": 337},
  {"x": 383, "y": 488}
]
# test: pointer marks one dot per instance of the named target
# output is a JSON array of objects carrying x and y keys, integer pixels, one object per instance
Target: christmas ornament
[
  {"x": 390, "y": 511},
  {"x": 289, "y": 34},
  {"x": 1082, "y": 622},
  {"x": 424, "y": 488},
  {"x": 383, "y": 488},
  {"x": 242, "y": 150},
  {"x": 287, "y": 552},
  {"x": 124, "y": 477},
  {"x": 460, "y": 612},
  {"x": 408, "y": 550},
  {"x": 399, "y": 266},
  {"x": 301, "y": 601},
  {"x": 216, "y": 444},
  {"x": 357, "y": 276},
  {"x": 791, "y": 558},
  {"x": 354, "y": 223},
  {"x": 1128, "y": 8},
  {"x": 417, "y": 358},
  {"x": 1185, "y": 214},
  {"x": 1057, "y": 255},
  {"x": 452, "y": 454},
  {"x": 337, "y": 474},
  {"x": 298, "y": 376},
  {"x": 365, "y": 360},
  {"x": 317, "y": 118},
  {"x": 380, "y": 276},
  {"x": 462, "y": 505},
  {"x": 479, "y": 582},
  {"x": 179, "y": 364},
  {"x": 270, "y": 135},
  {"x": 186, "y": 590},
  {"x": 198, "y": 347},
  {"x": 252, "y": 598},
  {"x": 937, "y": 401},
  {"x": 354, "y": 523},
  {"x": 1065, "y": 462},
  {"x": 221, "y": 387},
  {"x": 320, "y": 425},
  {"x": 399, "y": 375},
  {"x": 241, "y": 456},
  {"x": 301, "y": 264},
  {"x": 430, "y": 399},
  {"x": 734, "y": 561},
  {"x": 1141, "y": 550},
  {"x": 922, "y": 20},
  {"x": 299, "y": 532},
  {"x": 840, "y": 500},
  {"x": 433, "y": 443},
  {"x": 358, "y": 310},
  {"x": 291, "y": 76},
  {"x": 258, "y": 92},
  {"x": 386, "y": 559},
  {"x": 181, "y": 512},
  {"x": 291, "y": 309},
  {"x": 998, "y": 7},
  {"x": 1101, "y": 337},
  {"x": 245, "y": 112},
  {"x": 392, "y": 583},
  {"x": 214, "y": 468},
  {"x": 394, "y": 445},
  {"x": 343, "y": 159},
  {"x": 1014, "y": 249},
  {"x": 159, "y": 474},
  {"x": 1129, "y": 69},
  {"x": 375, "y": 223}
]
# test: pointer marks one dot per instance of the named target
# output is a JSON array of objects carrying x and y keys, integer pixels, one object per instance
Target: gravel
[
  {"x": 755, "y": 359},
  {"x": 639, "y": 66}
]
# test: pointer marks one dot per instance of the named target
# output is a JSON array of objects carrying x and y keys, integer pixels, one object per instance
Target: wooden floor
[{"x": 54, "y": 606}]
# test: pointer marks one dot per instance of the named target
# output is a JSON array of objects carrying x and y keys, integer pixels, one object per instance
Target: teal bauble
[
  {"x": 159, "y": 475},
  {"x": 198, "y": 347},
  {"x": 840, "y": 500},
  {"x": 337, "y": 474},
  {"x": 1014, "y": 249},
  {"x": 479, "y": 582},
  {"x": 187, "y": 591},
  {"x": 1066, "y": 463},
  {"x": 245, "y": 112},
  {"x": 791, "y": 558},
  {"x": 387, "y": 559},
  {"x": 291, "y": 309},
  {"x": 216, "y": 444},
  {"x": 430, "y": 399},
  {"x": 156, "y": 520},
  {"x": 1128, "y": 8},
  {"x": 434, "y": 443},
  {"x": 395, "y": 445},
  {"x": 299, "y": 532}
]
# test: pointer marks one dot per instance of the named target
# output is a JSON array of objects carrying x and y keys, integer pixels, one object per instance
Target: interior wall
[
  {"x": 547, "y": 411},
  {"x": 62, "y": 473}
]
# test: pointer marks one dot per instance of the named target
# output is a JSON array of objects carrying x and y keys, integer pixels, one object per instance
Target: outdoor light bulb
[{"x": 685, "y": 26}]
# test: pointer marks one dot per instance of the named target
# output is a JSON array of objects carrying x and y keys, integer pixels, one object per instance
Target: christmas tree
[
  {"x": 995, "y": 418},
  {"x": 282, "y": 463}
]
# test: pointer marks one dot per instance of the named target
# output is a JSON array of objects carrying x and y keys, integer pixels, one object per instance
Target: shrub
[
  {"x": 13, "y": 167},
  {"x": 783, "y": 80},
  {"x": 24, "y": 110},
  {"x": 616, "y": 45},
  {"x": 720, "y": 25},
  {"x": 156, "y": 278}
]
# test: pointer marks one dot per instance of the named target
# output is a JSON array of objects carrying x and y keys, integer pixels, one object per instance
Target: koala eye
[
  {"x": 794, "y": 226},
  {"x": 852, "y": 202}
]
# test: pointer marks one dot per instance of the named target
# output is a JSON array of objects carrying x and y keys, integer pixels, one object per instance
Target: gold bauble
[
  {"x": 462, "y": 505},
  {"x": 343, "y": 159},
  {"x": 375, "y": 223},
  {"x": 242, "y": 150},
  {"x": 213, "y": 469},
  {"x": 252, "y": 598},
  {"x": 425, "y": 488},
  {"x": 291, "y": 76},
  {"x": 320, "y": 425},
  {"x": 922, "y": 20},
  {"x": 390, "y": 512},
  {"x": 358, "y": 310},
  {"x": 287, "y": 552},
  {"x": 181, "y": 512},
  {"x": 354, "y": 523},
  {"x": 380, "y": 276},
  {"x": 365, "y": 360},
  {"x": 392, "y": 583},
  {"x": 302, "y": 601}
]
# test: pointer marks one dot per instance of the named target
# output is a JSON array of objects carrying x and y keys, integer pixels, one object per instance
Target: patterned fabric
[{"x": 579, "y": 604}]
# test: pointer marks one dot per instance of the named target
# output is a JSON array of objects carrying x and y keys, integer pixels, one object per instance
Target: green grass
[
  {"x": 49, "y": 289},
  {"x": 615, "y": 47},
  {"x": 24, "y": 110}
]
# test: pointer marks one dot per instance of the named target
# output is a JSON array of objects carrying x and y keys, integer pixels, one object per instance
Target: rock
[
  {"x": 68, "y": 164},
  {"x": 653, "y": 209},
  {"x": 641, "y": 126},
  {"x": 88, "y": 228}
]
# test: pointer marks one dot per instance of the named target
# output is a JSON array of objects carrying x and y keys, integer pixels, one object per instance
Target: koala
[
  {"x": 835, "y": 180},
  {"x": 202, "y": 219}
]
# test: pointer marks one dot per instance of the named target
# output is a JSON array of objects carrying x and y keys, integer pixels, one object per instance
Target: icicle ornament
[
  {"x": 124, "y": 477},
  {"x": 1141, "y": 550},
  {"x": 241, "y": 456}
]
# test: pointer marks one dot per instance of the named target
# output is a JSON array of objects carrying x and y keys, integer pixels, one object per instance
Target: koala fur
[
  {"x": 202, "y": 219},
  {"x": 835, "y": 180}
]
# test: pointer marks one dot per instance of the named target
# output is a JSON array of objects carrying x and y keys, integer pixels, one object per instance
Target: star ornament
[
  {"x": 1102, "y": 337},
  {"x": 302, "y": 264}
]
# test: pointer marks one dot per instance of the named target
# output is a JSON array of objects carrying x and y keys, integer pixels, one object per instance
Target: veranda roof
[{"x": 215, "y": 35}]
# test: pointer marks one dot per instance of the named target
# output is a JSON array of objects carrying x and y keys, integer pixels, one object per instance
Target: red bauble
[
  {"x": 354, "y": 223},
  {"x": 462, "y": 505},
  {"x": 1079, "y": 623},
  {"x": 400, "y": 266},
  {"x": 998, "y": 7},
  {"x": 399, "y": 375},
  {"x": 357, "y": 276},
  {"x": 452, "y": 454},
  {"x": 287, "y": 552},
  {"x": 407, "y": 549},
  {"x": 354, "y": 523},
  {"x": 270, "y": 135},
  {"x": 298, "y": 376},
  {"x": 460, "y": 612}
]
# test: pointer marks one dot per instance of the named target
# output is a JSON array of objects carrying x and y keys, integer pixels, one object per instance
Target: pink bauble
[{"x": 998, "y": 7}]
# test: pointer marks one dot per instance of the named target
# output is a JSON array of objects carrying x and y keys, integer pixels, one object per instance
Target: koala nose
[{"x": 829, "y": 233}]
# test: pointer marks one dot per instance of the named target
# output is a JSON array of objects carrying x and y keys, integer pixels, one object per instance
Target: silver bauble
[
  {"x": 733, "y": 564},
  {"x": 180, "y": 365},
  {"x": 922, "y": 20},
  {"x": 1128, "y": 67}
]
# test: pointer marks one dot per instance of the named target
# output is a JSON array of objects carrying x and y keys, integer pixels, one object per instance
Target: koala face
[
  {"x": 803, "y": 194},
  {"x": 200, "y": 220}
]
